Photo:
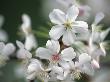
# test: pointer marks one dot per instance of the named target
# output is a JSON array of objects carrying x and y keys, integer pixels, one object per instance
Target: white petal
[
  {"x": 20, "y": 44},
  {"x": 103, "y": 48},
  {"x": 104, "y": 34},
  {"x": 53, "y": 45},
  {"x": 81, "y": 33},
  {"x": 30, "y": 42},
  {"x": 72, "y": 13},
  {"x": 65, "y": 65},
  {"x": 84, "y": 58},
  {"x": 3, "y": 36},
  {"x": 31, "y": 76},
  {"x": 68, "y": 54},
  {"x": 26, "y": 21},
  {"x": 97, "y": 52},
  {"x": 23, "y": 54},
  {"x": 56, "y": 32},
  {"x": 95, "y": 37},
  {"x": 2, "y": 45},
  {"x": 95, "y": 64},
  {"x": 99, "y": 17},
  {"x": 57, "y": 16},
  {"x": 81, "y": 24},
  {"x": 43, "y": 53},
  {"x": 88, "y": 69},
  {"x": 34, "y": 66},
  {"x": 8, "y": 49},
  {"x": 68, "y": 37},
  {"x": 59, "y": 72},
  {"x": 26, "y": 25}
]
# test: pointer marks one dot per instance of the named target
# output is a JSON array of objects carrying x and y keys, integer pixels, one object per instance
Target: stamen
[{"x": 76, "y": 74}]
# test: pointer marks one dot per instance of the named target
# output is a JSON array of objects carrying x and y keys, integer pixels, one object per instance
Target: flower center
[
  {"x": 43, "y": 75},
  {"x": 76, "y": 74},
  {"x": 56, "y": 57},
  {"x": 68, "y": 24}
]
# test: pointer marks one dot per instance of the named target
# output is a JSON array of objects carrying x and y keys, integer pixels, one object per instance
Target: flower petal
[
  {"x": 53, "y": 45},
  {"x": 30, "y": 42},
  {"x": 68, "y": 54},
  {"x": 84, "y": 58},
  {"x": 43, "y": 53},
  {"x": 98, "y": 18},
  {"x": 56, "y": 32},
  {"x": 33, "y": 68},
  {"x": 8, "y": 49},
  {"x": 3, "y": 36},
  {"x": 95, "y": 64},
  {"x": 68, "y": 37},
  {"x": 57, "y": 16},
  {"x": 26, "y": 21},
  {"x": 81, "y": 24},
  {"x": 20, "y": 44},
  {"x": 88, "y": 69},
  {"x": 59, "y": 72},
  {"x": 80, "y": 33},
  {"x": 104, "y": 34},
  {"x": 72, "y": 13},
  {"x": 2, "y": 45},
  {"x": 23, "y": 54}
]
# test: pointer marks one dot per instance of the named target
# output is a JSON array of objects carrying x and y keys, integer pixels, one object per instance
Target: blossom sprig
[
  {"x": 64, "y": 53},
  {"x": 72, "y": 49},
  {"x": 5, "y": 51}
]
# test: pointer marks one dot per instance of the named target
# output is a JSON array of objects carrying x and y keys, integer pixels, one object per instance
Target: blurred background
[{"x": 38, "y": 10}]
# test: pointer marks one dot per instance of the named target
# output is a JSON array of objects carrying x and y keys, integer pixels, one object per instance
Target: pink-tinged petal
[{"x": 95, "y": 64}]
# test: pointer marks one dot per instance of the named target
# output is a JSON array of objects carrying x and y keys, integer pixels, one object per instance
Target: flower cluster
[{"x": 74, "y": 47}]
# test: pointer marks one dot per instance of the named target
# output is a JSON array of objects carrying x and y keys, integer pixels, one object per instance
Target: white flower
[
  {"x": 97, "y": 37},
  {"x": 57, "y": 73},
  {"x": 30, "y": 41},
  {"x": 7, "y": 49},
  {"x": 3, "y": 34},
  {"x": 84, "y": 10},
  {"x": 76, "y": 67},
  {"x": 5, "y": 52},
  {"x": 22, "y": 53},
  {"x": 66, "y": 25},
  {"x": 52, "y": 53},
  {"x": 26, "y": 25},
  {"x": 35, "y": 69}
]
